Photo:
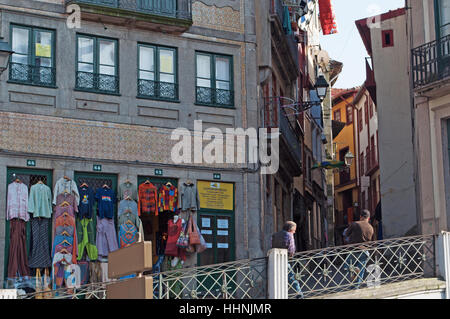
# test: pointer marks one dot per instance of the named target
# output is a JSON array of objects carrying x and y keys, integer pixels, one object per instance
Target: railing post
[
  {"x": 277, "y": 273},
  {"x": 443, "y": 260}
]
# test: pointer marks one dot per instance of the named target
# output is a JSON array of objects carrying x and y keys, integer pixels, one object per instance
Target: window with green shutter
[
  {"x": 33, "y": 60},
  {"x": 97, "y": 64},
  {"x": 157, "y": 72},
  {"x": 214, "y": 80},
  {"x": 442, "y": 9}
]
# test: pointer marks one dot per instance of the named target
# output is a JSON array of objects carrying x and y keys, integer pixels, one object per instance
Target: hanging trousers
[
  {"x": 17, "y": 263},
  {"x": 40, "y": 249}
]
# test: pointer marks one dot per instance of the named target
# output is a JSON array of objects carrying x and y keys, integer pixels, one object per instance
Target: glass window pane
[
  {"x": 204, "y": 66},
  {"x": 86, "y": 50},
  {"x": 20, "y": 40},
  {"x": 223, "y": 69},
  {"x": 107, "y": 52},
  {"x": 43, "y": 44},
  {"x": 167, "y": 78},
  {"x": 85, "y": 67},
  {"x": 204, "y": 83},
  {"x": 222, "y": 85},
  {"x": 146, "y": 59},
  {"x": 110, "y": 70},
  {"x": 18, "y": 58},
  {"x": 47, "y": 62},
  {"x": 143, "y": 75},
  {"x": 166, "y": 61}
]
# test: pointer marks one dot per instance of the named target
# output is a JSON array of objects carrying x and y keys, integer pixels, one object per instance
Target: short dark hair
[
  {"x": 365, "y": 213},
  {"x": 289, "y": 225}
]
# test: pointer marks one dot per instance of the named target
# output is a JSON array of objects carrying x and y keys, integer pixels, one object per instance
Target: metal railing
[
  {"x": 180, "y": 9},
  {"x": 214, "y": 97},
  {"x": 288, "y": 133},
  {"x": 157, "y": 90},
  {"x": 32, "y": 74},
  {"x": 431, "y": 62},
  {"x": 370, "y": 161},
  {"x": 95, "y": 82},
  {"x": 339, "y": 269}
]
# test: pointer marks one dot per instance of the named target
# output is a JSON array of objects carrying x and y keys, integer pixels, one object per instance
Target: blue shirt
[
  {"x": 87, "y": 198},
  {"x": 106, "y": 199}
]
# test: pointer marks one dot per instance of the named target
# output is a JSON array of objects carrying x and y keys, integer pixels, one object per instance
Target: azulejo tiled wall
[
  {"x": 213, "y": 17},
  {"x": 54, "y": 136}
]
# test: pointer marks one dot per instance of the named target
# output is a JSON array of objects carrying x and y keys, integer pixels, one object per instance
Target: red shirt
[{"x": 147, "y": 199}]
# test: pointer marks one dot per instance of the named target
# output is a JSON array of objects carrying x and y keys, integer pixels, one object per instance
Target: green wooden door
[{"x": 29, "y": 177}]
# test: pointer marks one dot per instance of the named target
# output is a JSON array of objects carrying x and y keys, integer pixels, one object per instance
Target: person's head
[
  {"x": 290, "y": 227},
  {"x": 365, "y": 215}
]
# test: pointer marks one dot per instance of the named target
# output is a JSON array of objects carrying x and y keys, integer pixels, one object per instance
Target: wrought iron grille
[
  {"x": 339, "y": 269},
  {"x": 180, "y": 9},
  {"x": 157, "y": 90},
  {"x": 93, "y": 182},
  {"x": 96, "y": 82},
  {"x": 431, "y": 62},
  {"x": 32, "y": 74},
  {"x": 244, "y": 279},
  {"x": 214, "y": 97}
]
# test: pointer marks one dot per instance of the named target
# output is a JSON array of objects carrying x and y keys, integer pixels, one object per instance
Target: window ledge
[
  {"x": 96, "y": 92},
  {"x": 32, "y": 84},
  {"x": 143, "y": 97},
  {"x": 232, "y": 107}
]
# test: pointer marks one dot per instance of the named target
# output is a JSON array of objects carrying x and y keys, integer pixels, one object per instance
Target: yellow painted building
[{"x": 345, "y": 181}]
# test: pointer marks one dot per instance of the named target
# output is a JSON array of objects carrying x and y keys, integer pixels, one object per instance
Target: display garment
[
  {"x": 70, "y": 199},
  {"x": 17, "y": 201},
  {"x": 60, "y": 261},
  {"x": 173, "y": 231},
  {"x": 40, "y": 245},
  {"x": 40, "y": 201},
  {"x": 148, "y": 198},
  {"x": 87, "y": 239},
  {"x": 128, "y": 205},
  {"x": 106, "y": 241},
  {"x": 128, "y": 189},
  {"x": 63, "y": 220},
  {"x": 128, "y": 234},
  {"x": 66, "y": 186},
  {"x": 87, "y": 198},
  {"x": 105, "y": 198},
  {"x": 17, "y": 263},
  {"x": 189, "y": 197},
  {"x": 167, "y": 198}
]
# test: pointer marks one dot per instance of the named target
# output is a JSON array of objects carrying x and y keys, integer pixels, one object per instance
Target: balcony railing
[
  {"x": 98, "y": 83},
  {"x": 431, "y": 62},
  {"x": 339, "y": 269},
  {"x": 157, "y": 90},
  {"x": 180, "y": 9},
  {"x": 32, "y": 74},
  {"x": 370, "y": 161},
  {"x": 288, "y": 133},
  {"x": 214, "y": 97}
]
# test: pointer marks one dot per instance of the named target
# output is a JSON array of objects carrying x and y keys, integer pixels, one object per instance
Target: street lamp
[
  {"x": 5, "y": 53},
  {"x": 349, "y": 157},
  {"x": 321, "y": 87}
]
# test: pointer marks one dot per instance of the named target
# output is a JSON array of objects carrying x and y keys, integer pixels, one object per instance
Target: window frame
[
  {"x": 156, "y": 56},
  {"x": 335, "y": 117},
  {"x": 96, "y": 63},
  {"x": 32, "y": 54},
  {"x": 349, "y": 114},
  {"x": 383, "y": 38},
  {"x": 213, "y": 79},
  {"x": 437, "y": 19}
]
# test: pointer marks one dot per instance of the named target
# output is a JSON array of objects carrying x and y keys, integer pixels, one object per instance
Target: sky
[{"x": 346, "y": 46}]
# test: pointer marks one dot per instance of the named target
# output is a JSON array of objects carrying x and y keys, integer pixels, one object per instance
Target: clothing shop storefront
[{"x": 60, "y": 224}]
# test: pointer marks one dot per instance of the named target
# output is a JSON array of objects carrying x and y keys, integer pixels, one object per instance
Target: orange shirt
[{"x": 148, "y": 199}]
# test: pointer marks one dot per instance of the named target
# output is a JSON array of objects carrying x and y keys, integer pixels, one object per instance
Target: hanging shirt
[
  {"x": 128, "y": 189},
  {"x": 66, "y": 186},
  {"x": 147, "y": 199},
  {"x": 189, "y": 197},
  {"x": 70, "y": 199},
  {"x": 106, "y": 199},
  {"x": 17, "y": 206},
  {"x": 40, "y": 201},
  {"x": 128, "y": 205},
  {"x": 167, "y": 198},
  {"x": 87, "y": 198}
]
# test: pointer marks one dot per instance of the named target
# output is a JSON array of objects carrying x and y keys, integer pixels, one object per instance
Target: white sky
[{"x": 346, "y": 46}]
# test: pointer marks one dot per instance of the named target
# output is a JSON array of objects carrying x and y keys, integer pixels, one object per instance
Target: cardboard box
[
  {"x": 134, "y": 259},
  {"x": 135, "y": 288}
]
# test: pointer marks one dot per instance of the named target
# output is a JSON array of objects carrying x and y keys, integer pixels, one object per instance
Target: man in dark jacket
[
  {"x": 360, "y": 232},
  {"x": 285, "y": 240}
]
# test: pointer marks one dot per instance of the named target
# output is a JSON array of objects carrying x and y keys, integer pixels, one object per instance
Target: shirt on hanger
[
  {"x": 87, "y": 198},
  {"x": 63, "y": 185},
  {"x": 148, "y": 198},
  {"x": 189, "y": 197},
  {"x": 106, "y": 199},
  {"x": 127, "y": 205},
  {"x": 167, "y": 198},
  {"x": 40, "y": 201},
  {"x": 17, "y": 203},
  {"x": 128, "y": 189}
]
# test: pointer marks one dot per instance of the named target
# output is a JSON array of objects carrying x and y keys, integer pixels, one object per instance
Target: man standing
[
  {"x": 285, "y": 240},
  {"x": 360, "y": 232}
]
